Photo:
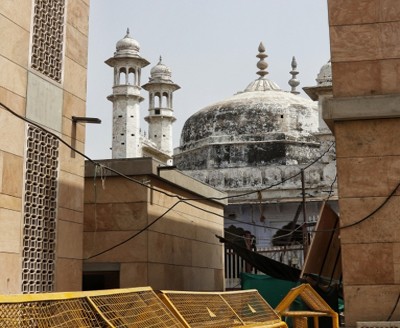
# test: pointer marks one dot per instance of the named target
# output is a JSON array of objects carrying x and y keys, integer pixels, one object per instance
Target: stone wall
[
  {"x": 180, "y": 251},
  {"x": 365, "y": 48},
  {"x": 48, "y": 91}
]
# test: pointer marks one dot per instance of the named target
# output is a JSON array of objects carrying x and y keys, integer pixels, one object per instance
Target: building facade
[
  {"x": 153, "y": 226},
  {"x": 43, "y": 62}
]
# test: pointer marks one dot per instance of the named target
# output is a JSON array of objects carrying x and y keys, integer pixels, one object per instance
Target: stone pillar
[{"x": 364, "y": 115}]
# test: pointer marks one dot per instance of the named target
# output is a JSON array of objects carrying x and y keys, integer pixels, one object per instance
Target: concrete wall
[
  {"x": 180, "y": 251},
  {"x": 364, "y": 115},
  {"x": 50, "y": 103}
]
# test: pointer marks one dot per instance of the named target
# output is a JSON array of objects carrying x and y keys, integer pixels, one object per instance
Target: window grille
[
  {"x": 48, "y": 37},
  {"x": 39, "y": 223}
]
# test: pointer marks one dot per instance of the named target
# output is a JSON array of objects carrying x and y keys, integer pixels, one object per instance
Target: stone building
[
  {"x": 43, "y": 61},
  {"x": 255, "y": 145},
  {"x": 139, "y": 233}
]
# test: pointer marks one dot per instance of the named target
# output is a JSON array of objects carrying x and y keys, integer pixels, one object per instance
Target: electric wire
[
  {"x": 97, "y": 164},
  {"x": 46, "y": 130},
  {"x": 373, "y": 212},
  {"x": 135, "y": 234},
  {"x": 150, "y": 187},
  {"x": 394, "y": 309},
  {"x": 331, "y": 188},
  {"x": 101, "y": 166},
  {"x": 278, "y": 183},
  {"x": 186, "y": 200}
]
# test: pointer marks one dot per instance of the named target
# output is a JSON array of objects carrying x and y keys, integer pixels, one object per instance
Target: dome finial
[
  {"x": 127, "y": 32},
  {"x": 294, "y": 82},
  {"x": 160, "y": 60},
  {"x": 262, "y": 65}
]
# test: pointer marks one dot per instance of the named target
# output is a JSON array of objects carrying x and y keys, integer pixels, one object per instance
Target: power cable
[
  {"x": 373, "y": 212},
  {"x": 186, "y": 200},
  {"x": 394, "y": 309},
  {"x": 278, "y": 183},
  {"x": 365, "y": 217},
  {"x": 97, "y": 164},
  {"x": 150, "y": 187},
  {"x": 46, "y": 130},
  {"x": 181, "y": 199}
]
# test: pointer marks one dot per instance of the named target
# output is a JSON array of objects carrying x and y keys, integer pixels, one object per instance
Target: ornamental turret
[
  {"x": 127, "y": 64},
  {"x": 321, "y": 91},
  {"x": 160, "y": 118}
]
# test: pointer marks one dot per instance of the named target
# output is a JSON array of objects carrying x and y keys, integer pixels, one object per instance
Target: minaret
[
  {"x": 160, "y": 118},
  {"x": 127, "y": 64}
]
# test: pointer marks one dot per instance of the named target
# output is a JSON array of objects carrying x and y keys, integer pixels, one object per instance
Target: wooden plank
[{"x": 323, "y": 256}]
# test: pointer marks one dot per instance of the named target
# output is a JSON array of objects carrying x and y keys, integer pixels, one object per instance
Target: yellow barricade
[
  {"x": 133, "y": 307},
  {"x": 221, "y": 309},
  {"x": 138, "y": 308},
  {"x": 317, "y": 307}
]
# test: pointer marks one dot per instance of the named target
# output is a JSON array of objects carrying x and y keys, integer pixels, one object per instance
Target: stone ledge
[{"x": 360, "y": 108}]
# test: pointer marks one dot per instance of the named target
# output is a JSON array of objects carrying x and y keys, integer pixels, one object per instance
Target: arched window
[
  {"x": 157, "y": 100},
  {"x": 132, "y": 76},
  {"x": 122, "y": 76},
  {"x": 165, "y": 100}
]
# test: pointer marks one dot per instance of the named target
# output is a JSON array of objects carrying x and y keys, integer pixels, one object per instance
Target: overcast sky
[{"x": 210, "y": 46}]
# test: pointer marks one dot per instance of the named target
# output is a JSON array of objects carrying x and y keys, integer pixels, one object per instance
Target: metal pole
[{"x": 304, "y": 230}]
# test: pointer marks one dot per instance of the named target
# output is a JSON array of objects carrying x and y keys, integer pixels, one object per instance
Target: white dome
[
  {"x": 160, "y": 71},
  {"x": 324, "y": 77},
  {"x": 127, "y": 45}
]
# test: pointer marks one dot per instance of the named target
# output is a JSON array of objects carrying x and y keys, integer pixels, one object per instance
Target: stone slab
[
  {"x": 368, "y": 264},
  {"x": 68, "y": 275},
  {"x": 384, "y": 226},
  {"x": 368, "y": 176},
  {"x": 370, "y": 303},
  {"x": 367, "y": 138},
  {"x": 44, "y": 102},
  {"x": 360, "y": 108}
]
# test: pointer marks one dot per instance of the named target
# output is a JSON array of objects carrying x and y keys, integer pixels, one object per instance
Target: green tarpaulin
[{"x": 271, "y": 289}]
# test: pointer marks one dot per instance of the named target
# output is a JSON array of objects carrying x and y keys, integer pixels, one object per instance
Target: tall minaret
[
  {"x": 160, "y": 118},
  {"x": 127, "y": 64}
]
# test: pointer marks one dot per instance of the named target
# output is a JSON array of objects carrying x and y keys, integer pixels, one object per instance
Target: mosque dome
[
  {"x": 127, "y": 45},
  {"x": 252, "y": 115},
  {"x": 324, "y": 77},
  {"x": 160, "y": 71},
  {"x": 261, "y": 125}
]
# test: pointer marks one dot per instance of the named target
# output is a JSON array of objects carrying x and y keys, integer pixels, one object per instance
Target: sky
[{"x": 210, "y": 47}]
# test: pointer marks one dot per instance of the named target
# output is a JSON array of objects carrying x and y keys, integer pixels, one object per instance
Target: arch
[
  {"x": 157, "y": 99},
  {"x": 131, "y": 76},
  {"x": 122, "y": 77},
  {"x": 165, "y": 99}
]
